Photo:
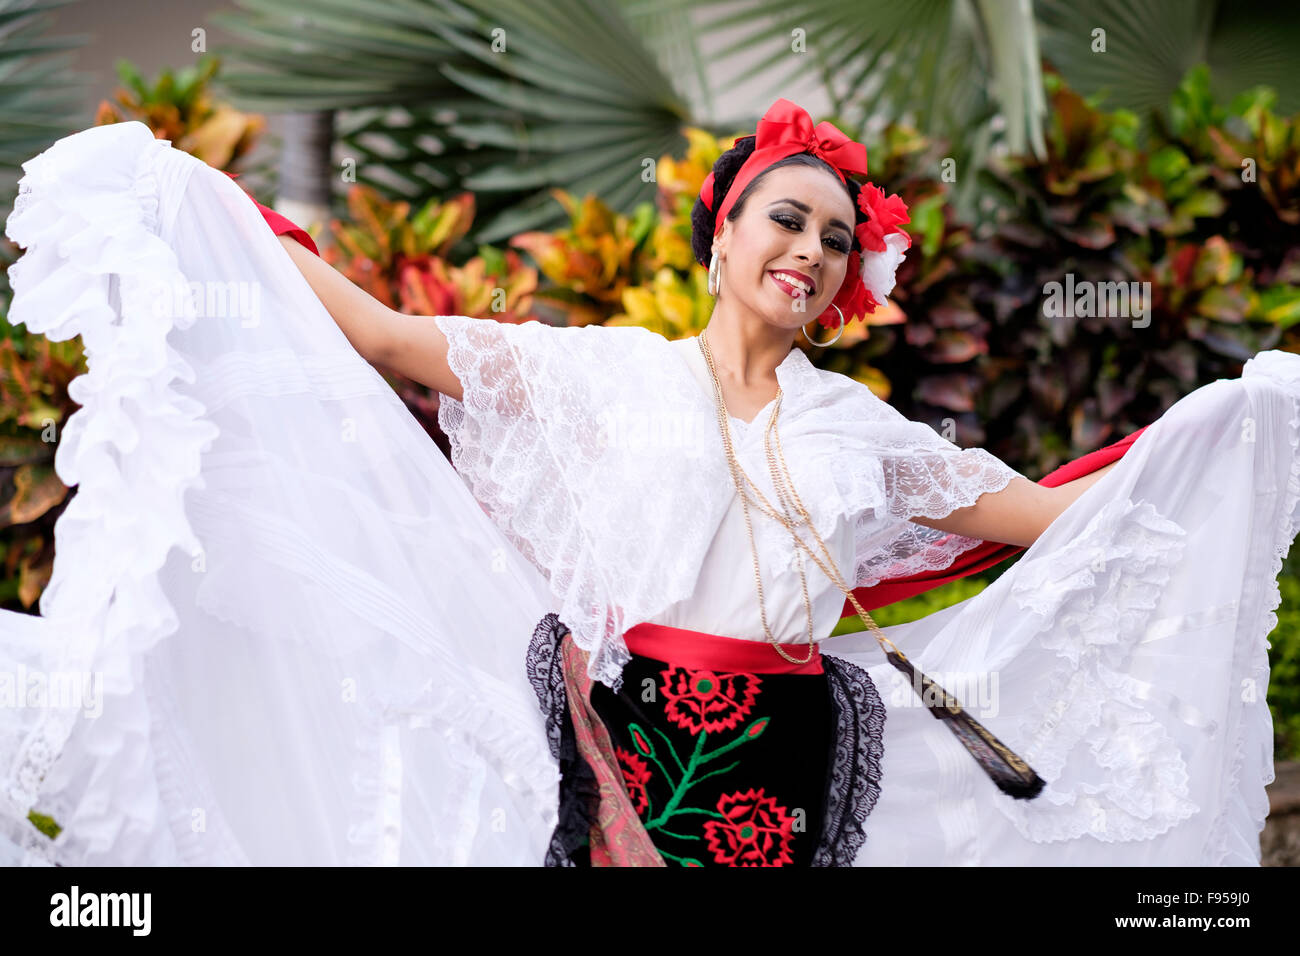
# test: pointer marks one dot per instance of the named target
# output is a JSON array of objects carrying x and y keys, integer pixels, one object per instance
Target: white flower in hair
[
  {"x": 882, "y": 238},
  {"x": 880, "y": 269}
]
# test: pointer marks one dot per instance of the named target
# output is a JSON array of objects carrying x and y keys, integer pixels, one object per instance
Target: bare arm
[
  {"x": 1018, "y": 514},
  {"x": 411, "y": 345}
]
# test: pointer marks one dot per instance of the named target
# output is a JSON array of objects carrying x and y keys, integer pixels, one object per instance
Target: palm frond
[
  {"x": 508, "y": 98},
  {"x": 1151, "y": 44},
  {"x": 40, "y": 94}
]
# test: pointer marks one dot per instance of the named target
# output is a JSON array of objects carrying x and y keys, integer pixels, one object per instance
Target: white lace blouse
[{"x": 596, "y": 450}]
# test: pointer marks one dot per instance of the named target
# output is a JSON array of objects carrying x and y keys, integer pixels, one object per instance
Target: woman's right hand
[{"x": 411, "y": 345}]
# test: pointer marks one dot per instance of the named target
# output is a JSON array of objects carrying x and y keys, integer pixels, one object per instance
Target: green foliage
[
  {"x": 922, "y": 605},
  {"x": 1284, "y": 664},
  {"x": 1208, "y": 213},
  {"x": 34, "y": 405},
  {"x": 40, "y": 93},
  {"x": 1151, "y": 44},
  {"x": 179, "y": 107}
]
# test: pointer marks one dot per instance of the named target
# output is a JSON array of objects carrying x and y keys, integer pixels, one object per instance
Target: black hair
[{"x": 704, "y": 221}]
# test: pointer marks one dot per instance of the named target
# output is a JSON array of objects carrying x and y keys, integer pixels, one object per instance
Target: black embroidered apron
[{"x": 727, "y": 754}]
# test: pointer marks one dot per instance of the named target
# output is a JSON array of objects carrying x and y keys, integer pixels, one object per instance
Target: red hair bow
[{"x": 784, "y": 130}]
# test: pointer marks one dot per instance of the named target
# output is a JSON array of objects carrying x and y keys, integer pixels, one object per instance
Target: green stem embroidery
[
  {"x": 707, "y": 813},
  {"x": 725, "y": 747},
  {"x": 668, "y": 856},
  {"x": 679, "y": 790},
  {"x": 664, "y": 770},
  {"x": 698, "y": 759},
  {"x": 714, "y": 773},
  {"x": 669, "y": 742},
  {"x": 679, "y": 836},
  {"x": 688, "y": 779}
]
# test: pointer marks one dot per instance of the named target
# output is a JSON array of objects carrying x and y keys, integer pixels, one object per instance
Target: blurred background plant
[
  {"x": 179, "y": 106},
  {"x": 1191, "y": 214},
  {"x": 38, "y": 96},
  {"x": 1284, "y": 664},
  {"x": 403, "y": 260},
  {"x": 39, "y": 92}
]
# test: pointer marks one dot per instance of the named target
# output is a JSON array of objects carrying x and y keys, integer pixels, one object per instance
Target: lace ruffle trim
[
  {"x": 854, "y": 785},
  {"x": 1093, "y": 601},
  {"x": 94, "y": 247},
  {"x": 1279, "y": 368},
  {"x": 579, "y": 791},
  {"x": 956, "y": 479}
]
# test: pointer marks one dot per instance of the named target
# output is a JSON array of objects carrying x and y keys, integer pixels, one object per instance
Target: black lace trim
[
  {"x": 853, "y": 785},
  {"x": 579, "y": 796}
]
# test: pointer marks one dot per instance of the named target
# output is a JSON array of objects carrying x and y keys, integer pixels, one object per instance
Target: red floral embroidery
[
  {"x": 642, "y": 744},
  {"x": 756, "y": 832},
  {"x": 708, "y": 700},
  {"x": 636, "y": 774}
]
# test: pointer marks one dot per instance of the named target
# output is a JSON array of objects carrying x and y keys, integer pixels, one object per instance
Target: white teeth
[{"x": 793, "y": 280}]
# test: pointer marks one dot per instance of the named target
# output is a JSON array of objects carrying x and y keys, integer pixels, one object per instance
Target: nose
[{"x": 809, "y": 250}]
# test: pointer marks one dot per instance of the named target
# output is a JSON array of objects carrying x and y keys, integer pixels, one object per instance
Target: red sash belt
[{"x": 701, "y": 650}]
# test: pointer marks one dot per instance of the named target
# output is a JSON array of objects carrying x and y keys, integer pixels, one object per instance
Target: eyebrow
[{"x": 805, "y": 208}]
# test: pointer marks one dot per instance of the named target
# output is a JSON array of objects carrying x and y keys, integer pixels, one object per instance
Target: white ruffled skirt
[{"x": 280, "y": 630}]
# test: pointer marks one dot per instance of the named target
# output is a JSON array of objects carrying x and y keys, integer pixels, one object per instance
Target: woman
[{"x": 314, "y": 638}]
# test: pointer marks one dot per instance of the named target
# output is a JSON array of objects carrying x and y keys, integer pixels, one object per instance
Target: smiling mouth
[{"x": 791, "y": 285}]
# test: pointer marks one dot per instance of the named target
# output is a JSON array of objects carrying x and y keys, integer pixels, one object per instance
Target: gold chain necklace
[
  {"x": 784, "y": 485},
  {"x": 1004, "y": 766},
  {"x": 781, "y": 480}
]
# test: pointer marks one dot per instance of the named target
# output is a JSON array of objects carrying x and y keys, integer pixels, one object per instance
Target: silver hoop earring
[
  {"x": 715, "y": 275},
  {"x": 837, "y": 334}
]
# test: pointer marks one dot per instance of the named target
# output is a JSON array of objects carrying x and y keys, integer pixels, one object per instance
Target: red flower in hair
[
  {"x": 883, "y": 216},
  {"x": 854, "y": 298}
]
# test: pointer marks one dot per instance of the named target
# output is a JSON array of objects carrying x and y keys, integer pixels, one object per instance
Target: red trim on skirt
[{"x": 702, "y": 650}]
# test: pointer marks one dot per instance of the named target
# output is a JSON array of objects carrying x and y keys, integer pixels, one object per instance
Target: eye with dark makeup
[{"x": 838, "y": 242}]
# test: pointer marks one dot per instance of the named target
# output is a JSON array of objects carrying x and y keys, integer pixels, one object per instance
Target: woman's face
[{"x": 797, "y": 221}]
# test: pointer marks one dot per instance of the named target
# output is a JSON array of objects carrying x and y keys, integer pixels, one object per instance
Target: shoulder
[
  {"x": 594, "y": 332},
  {"x": 856, "y": 397},
  {"x": 571, "y": 334},
  {"x": 590, "y": 343},
  {"x": 577, "y": 352}
]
